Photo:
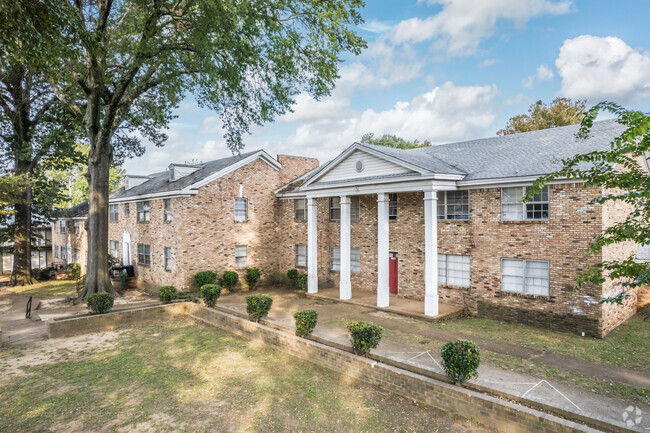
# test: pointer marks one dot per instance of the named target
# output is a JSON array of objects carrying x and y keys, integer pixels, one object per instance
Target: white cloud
[
  {"x": 462, "y": 24},
  {"x": 489, "y": 62},
  {"x": 375, "y": 26},
  {"x": 603, "y": 68},
  {"x": 544, "y": 73}
]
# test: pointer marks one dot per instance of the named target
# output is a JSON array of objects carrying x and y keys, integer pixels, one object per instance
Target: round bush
[
  {"x": 252, "y": 277},
  {"x": 230, "y": 280},
  {"x": 167, "y": 294},
  {"x": 301, "y": 282},
  {"x": 43, "y": 274},
  {"x": 100, "y": 303},
  {"x": 258, "y": 306},
  {"x": 292, "y": 275},
  {"x": 205, "y": 277},
  {"x": 75, "y": 270},
  {"x": 365, "y": 336},
  {"x": 305, "y": 322},
  {"x": 210, "y": 293},
  {"x": 461, "y": 359}
]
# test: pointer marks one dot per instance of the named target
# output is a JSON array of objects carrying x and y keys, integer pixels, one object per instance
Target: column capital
[
  {"x": 311, "y": 201},
  {"x": 345, "y": 199},
  {"x": 431, "y": 194},
  {"x": 382, "y": 197}
]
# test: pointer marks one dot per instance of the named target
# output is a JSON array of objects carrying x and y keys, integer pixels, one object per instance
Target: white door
[{"x": 126, "y": 249}]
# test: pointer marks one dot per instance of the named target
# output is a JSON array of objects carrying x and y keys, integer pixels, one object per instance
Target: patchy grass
[
  {"x": 627, "y": 346},
  {"x": 46, "y": 289},
  {"x": 182, "y": 376}
]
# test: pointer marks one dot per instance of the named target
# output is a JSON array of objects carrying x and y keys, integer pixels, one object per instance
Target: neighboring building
[
  {"x": 41, "y": 250},
  {"x": 69, "y": 238},
  {"x": 220, "y": 215}
]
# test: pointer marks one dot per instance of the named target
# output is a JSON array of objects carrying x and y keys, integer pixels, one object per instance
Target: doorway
[{"x": 392, "y": 272}]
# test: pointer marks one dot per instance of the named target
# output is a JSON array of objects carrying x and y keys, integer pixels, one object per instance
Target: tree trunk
[{"x": 22, "y": 271}]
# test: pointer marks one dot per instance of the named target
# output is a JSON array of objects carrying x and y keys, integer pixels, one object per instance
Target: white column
[
  {"x": 431, "y": 253},
  {"x": 345, "y": 286},
  {"x": 312, "y": 246},
  {"x": 383, "y": 296}
]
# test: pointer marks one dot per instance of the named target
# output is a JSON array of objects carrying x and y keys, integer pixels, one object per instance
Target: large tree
[
  {"x": 125, "y": 65},
  {"x": 622, "y": 172},
  {"x": 389, "y": 140},
  {"x": 560, "y": 112}
]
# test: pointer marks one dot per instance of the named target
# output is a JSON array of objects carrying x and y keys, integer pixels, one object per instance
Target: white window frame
[
  {"x": 355, "y": 208},
  {"x": 114, "y": 249},
  {"x": 64, "y": 252},
  {"x": 447, "y": 211},
  {"x": 114, "y": 213},
  {"x": 392, "y": 206},
  {"x": 144, "y": 256},
  {"x": 525, "y": 207},
  {"x": 127, "y": 210},
  {"x": 168, "y": 209},
  {"x": 301, "y": 256},
  {"x": 452, "y": 271},
  {"x": 241, "y": 260},
  {"x": 239, "y": 218},
  {"x": 77, "y": 227},
  {"x": 56, "y": 251},
  {"x": 144, "y": 211},
  {"x": 300, "y": 209},
  {"x": 168, "y": 258},
  {"x": 62, "y": 227},
  {"x": 355, "y": 259},
  {"x": 526, "y": 277}
]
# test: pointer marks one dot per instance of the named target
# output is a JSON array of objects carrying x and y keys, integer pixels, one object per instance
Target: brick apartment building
[
  {"x": 440, "y": 224},
  {"x": 70, "y": 239}
]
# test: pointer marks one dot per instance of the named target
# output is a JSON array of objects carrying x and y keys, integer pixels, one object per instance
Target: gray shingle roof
[
  {"x": 425, "y": 161},
  {"x": 80, "y": 210},
  {"x": 159, "y": 182}
]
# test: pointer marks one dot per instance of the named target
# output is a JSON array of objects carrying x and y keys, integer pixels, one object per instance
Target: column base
[
  {"x": 383, "y": 297},
  {"x": 345, "y": 290},
  {"x": 312, "y": 285},
  {"x": 431, "y": 306}
]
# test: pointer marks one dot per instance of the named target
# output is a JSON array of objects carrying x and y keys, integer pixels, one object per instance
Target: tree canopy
[
  {"x": 560, "y": 112},
  {"x": 393, "y": 141}
]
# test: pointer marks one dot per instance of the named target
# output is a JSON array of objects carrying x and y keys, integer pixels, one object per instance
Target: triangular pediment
[{"x": 361, "y": 164}]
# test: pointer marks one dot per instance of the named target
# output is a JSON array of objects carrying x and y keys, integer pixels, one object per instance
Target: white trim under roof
[
  {"x": 155, "y": 195},
  {"x": 509, "y": 181},
  {"x": 416, "y": 185}
]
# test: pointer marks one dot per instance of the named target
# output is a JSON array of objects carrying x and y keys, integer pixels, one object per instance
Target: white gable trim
[
  {"x": 257, "y": 155},
  {"x": 362, "y": 148}
]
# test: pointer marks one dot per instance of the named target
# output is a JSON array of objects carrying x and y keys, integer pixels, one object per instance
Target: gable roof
[
  {"x": 159, "y": 184},
  {"x": 80, "y": 210}
]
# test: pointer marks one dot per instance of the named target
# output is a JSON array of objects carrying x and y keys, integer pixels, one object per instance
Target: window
[
  {"x": 64, "y": 253},
  {"x": 168, "y": 209},
  {"x": 127, "y": 209},
  {"x": 114, "y": 213},
  {"x": 335, "y": 208},
  {"x": 144, "y": 254},
  {"x": 241, "y": 256},
  {"x": 355, "y": 259},
  {"x": 77, "y": 227},
  {"x": 301, "y": 256},
  {"x": 453, "y": 205},
  {"x": 56, "y": 228},
  {"x": 56, "y": 251},
  {"x": 62, "y": 226},
  {"x": 168, "y": 258},
  {"x": 115, "y": 249},
  {"x": 453, "y": 270},
  {"x": 392, "y": 206},
  {"x": 143, "y": 211},
  {"x": 300, "y": 208},
  {"x": 513, "y": 209},
  {"x": 530, "y": 277},
  {"x": 241, "y": 209}
]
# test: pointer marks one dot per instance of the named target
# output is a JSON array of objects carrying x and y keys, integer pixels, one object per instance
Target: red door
[{"x": 392, "y": 271}]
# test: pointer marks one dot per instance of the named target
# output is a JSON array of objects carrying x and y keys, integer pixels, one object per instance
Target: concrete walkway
[
  {"x": 559, "y": 396},
  {"x": 16, "y": 329}
]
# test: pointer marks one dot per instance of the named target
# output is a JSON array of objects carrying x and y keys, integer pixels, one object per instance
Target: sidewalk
[{"x": 559, "y": 396}]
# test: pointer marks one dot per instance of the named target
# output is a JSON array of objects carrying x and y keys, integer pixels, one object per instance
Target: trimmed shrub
[
  {"x": 42, "y": 274},
  {"x": 210, "y": 293},
  {"x": 461, "y": 359},
  {"x": 293, "y": 276},
  {"x": 305, "y": 322},
  {"x": 252, "y": 277},
  {"x": 365, "y": 336},
  {"x": 230, "y": 280},
  {"x": 167, "y": 294},
  {"x": 124, "y": 279},
  {"x": 100, "y": 303},
  {"x": 301, "y": 283},
  {"x": 205, "y": 277},
  {"x": 258, "y": 306},
  {"x": 75, "y": 271}
]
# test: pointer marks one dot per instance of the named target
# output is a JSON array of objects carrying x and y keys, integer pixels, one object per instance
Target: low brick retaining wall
[{"x": 502, "y": 415}]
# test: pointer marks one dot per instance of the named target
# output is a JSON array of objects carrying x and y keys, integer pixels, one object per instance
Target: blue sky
[{"x": 446, "y": 70}]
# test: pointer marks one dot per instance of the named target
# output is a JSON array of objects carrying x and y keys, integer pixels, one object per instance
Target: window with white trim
[
  {"x": 77, "y": 227},
  {"x": 113, "y": 213},
  {"x": 453, "y": 270},
  {"x": 529, "y": 277},
  {"x": 56, "y": 251},
  {"x": 514, "y": 209},
  {"x": 453, "y": 205},
  {"x": 241, "y": 209},
  {"x": 355, "y": 259},
  {"x": 301, "y": 256},
  {"x": 392, "y": 206},
  {"x": 144, "y": 209},
  {"x": 168, "y": 258},
  {"x": 335, "y": 208},
  {"x": 127, "y": 210},
  {"x": 300, "y": 208},
  {"x": 241, "y": 256},
  {"x": 144, "y": 254},
  {"x": 168, "y": 209},
  {"x": 115, "y": 249},
  {"x": 64, "y": 253},
  {"x": 61, "y": 226}
]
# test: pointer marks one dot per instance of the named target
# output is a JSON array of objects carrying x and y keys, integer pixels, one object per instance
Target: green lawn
[
  {"x": 47, "y": 289},
  {"x": 185, "y": 376},
  {"x": 627, "y": 346}
]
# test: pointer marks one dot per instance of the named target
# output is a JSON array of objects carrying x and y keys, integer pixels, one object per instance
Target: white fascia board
[
  {"x": 380, "y": 181},
  {"x": 419, "y": 185},
  {"x": 509, "y": 181},
  {"x": 168, "y": 194},
  {"x": 260, "y": 154}
]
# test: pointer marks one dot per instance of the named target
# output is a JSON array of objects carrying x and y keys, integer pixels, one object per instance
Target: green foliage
[
  {"x": 42, "y": 274},
  {"x": 75, "y": 271},
  {"x": 252, "y": 277},
  {"x": 229, "y": 279},
  {"x": 205, "y": 277},
  {"x": 622, "y": 173},
  {"x": 258, "y": 306},
  {"x": 100, "y": 303},
  {"x": 365, "y": 336},
  {"x": 124, "y": 279},
  {"x": 293, "y": 275},
  {"x": 305, "y": 322},
  {"x": 210, "y": 293},
  {"x": 393, "y": 141},
  {"x": 301, "y": 282},
  {"x": 561, "y": 112},
  {"x": 460, "y": 359},
  {"x": 166, "y": 294}
]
